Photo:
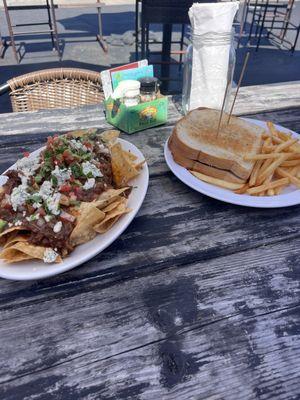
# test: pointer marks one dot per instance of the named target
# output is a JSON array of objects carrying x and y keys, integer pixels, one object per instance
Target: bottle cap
[
  {"x": 149, "y": 84},
  {"x": 123, "y": 86}
]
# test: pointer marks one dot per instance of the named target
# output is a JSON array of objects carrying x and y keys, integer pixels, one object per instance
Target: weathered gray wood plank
[
  {"x": 228, "y": 328},
  {"x": 197, "y": 299},
  {"x": 189, "y": 223},
  {"x": 251, "y": 99},
  {"x": 150, "y": 142},
  {"x": 174, "y": 226}
]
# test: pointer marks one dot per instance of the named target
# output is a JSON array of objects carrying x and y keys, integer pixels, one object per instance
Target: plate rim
[
  {"x": 64, "y": 268},
  {"x": 237, "y": 199}
]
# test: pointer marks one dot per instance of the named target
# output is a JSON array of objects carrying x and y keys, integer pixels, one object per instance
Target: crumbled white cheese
[
  {"x": 50, "y": 197},
  {"x": 24, "y": 213},
  {"x": 57, "y": 227},
  {"x": 102, "y": 148},
  {"x": 19, "y": 196},
  {"x": 10, "y": 224},
  {"x": 62, "y": 175},
  {"x": 46, "y": 190},
  {"x": 78, "y": 145},
  {"x": 28, "y": 165},
  {"x": 52, "y": 203},
  {"x": 36, "y": 205},
  {"x": 89, "y": 168},
  {"x": 18, "y": 223},
  {"x": 50, "y": 256},
  {"x": 24, "y": 179},
  {"x": 48, "y": 218},
  {"x": 89, "y": 184}
]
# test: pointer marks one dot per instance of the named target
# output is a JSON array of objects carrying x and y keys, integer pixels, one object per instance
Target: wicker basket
[{"x": 55, "y": 88}]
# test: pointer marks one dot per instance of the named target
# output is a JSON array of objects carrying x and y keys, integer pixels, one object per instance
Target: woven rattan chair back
[{"x": 55, "y": 88}]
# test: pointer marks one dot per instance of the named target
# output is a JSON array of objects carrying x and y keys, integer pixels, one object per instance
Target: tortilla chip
[
  {"x": 110, "y": 136},
  {"x": 16, "y": 237},
  {"x": 11, "y": 256},
  {"x": 82, "y": 132},
  {"x": 11, "y": 229},
  {"x": 108, "y": 197},
  {"x": 112, "y": 217},
  {"x": 139, "y": 166},
  {"x": 130, "y": 156},
  {"x": 24, "y": 251},
  {"x": 7, "y": 233},
  {"x": 89, "y": 216},
  {"x": 123, "y": 169},
  {"x": 114, "y": 204}
]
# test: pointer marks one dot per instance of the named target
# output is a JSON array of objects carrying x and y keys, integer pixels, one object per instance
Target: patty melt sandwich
[{"x": 196, "y": 145}]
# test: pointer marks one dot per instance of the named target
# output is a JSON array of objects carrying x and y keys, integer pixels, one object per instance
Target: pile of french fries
[{"x": 277, "y": 166}]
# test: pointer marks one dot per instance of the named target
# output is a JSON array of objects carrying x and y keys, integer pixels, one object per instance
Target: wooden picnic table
[{"x": 197, "y": 299}]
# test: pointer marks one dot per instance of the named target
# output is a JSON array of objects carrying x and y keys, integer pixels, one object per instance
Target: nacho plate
[{"x": 35, "y": 269}]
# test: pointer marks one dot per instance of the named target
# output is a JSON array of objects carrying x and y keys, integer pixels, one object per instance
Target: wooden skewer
[
  {"x": 222, "y": 110},
  {"x": 239, "y": 84}
]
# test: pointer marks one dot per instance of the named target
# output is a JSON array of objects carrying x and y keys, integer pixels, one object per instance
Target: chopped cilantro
[
  {"x": 35, "y": 198},
  {"x": 38, "y": 178},
  {"x": 2, "y": 224},
  {"x": 54, "y": 180},
  {"x": 47, "y": 155},
  {"x": 76, "y": 170}
]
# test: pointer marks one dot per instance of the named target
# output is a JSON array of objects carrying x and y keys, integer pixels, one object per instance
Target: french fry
[
  {"x": 286, "y": 145},
  {"x": 254, "y": 172},
  {"x": 270, "y": 169},
  {"x": 270, "y": 192},
  {"x": 267, "y": 143},
  {"x": 286, "y": 174},
  {"x": 294, "y": 171},
  {"x": 284, "y": 136},
  {"x": 243, "y": 189},
  {"x": 218, "y": 182},
  {"x": 274, "y": 139},
  {"x": 266, "y": 186},
  {"x": 278, "y": 190},
  {"x": 291, "y": 163},
  {"x": 272, "y": 128}
]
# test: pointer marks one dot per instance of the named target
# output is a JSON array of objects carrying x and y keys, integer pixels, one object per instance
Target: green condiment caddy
[{"x": 136, "y": 118}]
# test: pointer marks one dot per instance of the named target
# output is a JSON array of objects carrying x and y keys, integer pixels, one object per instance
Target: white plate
[
  {"x": 289, "y": 197},
  {"x": 30, "y": 270}
]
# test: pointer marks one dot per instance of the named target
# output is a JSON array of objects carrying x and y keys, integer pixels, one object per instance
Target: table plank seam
[
  {"x": 131, "y": 274},
  {"x": 181, "y": 332}
]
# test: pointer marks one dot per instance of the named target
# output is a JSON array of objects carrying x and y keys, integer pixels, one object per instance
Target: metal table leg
[
  {"x": 3, "y": 46},
  {"x": 262, "y": 24},
  {"x": 55, "y": 29},
  {"x": 166, "y": 56},
  {"x": 10, "y": 30},
  {"x": 100, "y": 35}
]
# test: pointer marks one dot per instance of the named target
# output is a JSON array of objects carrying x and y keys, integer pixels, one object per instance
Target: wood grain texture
[
  {"x": 221, "y": 328},
  {"x": 197, "y": 299},
  {"x": 251, "y": 99}
]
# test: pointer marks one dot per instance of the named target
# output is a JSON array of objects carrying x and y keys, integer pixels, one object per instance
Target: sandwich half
[{"x": 195, "y": 144}]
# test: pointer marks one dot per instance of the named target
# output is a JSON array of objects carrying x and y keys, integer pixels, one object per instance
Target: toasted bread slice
[
  {"x": 206, "y": 169},
  {"x": 195, "y": 137}
]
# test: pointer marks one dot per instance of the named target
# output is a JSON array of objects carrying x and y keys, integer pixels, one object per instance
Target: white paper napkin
[{"x": 210, "y": 52}]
